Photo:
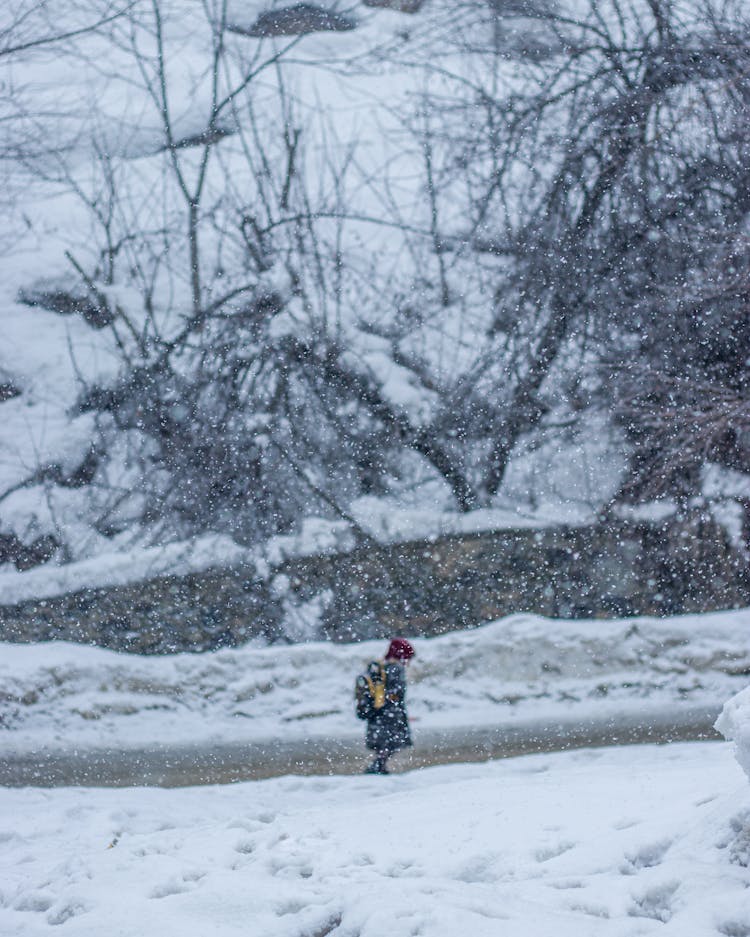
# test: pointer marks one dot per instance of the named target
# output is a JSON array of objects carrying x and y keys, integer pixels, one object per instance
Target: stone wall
[
  {"x": 417, "y": 588},
  {"x": 195, "y": 612}
]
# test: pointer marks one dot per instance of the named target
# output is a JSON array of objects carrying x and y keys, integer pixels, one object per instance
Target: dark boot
[{"x": 379, "y": 765}]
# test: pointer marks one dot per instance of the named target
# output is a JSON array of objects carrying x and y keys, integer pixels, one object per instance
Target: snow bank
[
  {"x": 116, "y": 569},
  {"x": 734, "y": 725},
  {"x": 524, "y": 667},
  {"x": 613, "y": 843}
]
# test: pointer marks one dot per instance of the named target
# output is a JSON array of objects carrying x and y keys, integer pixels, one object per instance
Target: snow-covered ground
[
  {"x": 59, "y": 697},
  {"x": 626, "y": 841}
]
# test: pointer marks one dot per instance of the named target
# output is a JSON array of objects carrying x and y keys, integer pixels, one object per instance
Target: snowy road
[
  {"x": 85, "y": 716},
  {"x": 183, "y": 765}
]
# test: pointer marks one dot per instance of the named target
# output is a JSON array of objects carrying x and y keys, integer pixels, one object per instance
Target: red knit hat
[{"x": 399, "y": 649}]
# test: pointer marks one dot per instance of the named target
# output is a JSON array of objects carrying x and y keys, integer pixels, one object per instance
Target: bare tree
[
  {"x": 235, "y": 366},
  {"x": 582, "y": 179},
  {"x": 604, "y": 154}
]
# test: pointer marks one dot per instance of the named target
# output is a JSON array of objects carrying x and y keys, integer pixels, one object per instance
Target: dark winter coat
[{"x": 388, "y": 728}]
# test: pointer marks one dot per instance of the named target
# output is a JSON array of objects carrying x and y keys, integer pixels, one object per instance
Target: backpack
[{"x": 369, "y": 690}]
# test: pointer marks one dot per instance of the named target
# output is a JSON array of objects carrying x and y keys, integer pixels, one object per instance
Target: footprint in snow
[
  {"x": 34, "y": 901},
  {"x": 735, "y": 928},
  {"x": 142, "y": 852},
  {"x": 404, "y": 870},
  {"x": 245, "y": 846},
  {"x": 290, "y": 868},
  {"x": 172, "y": 887},
  {"x": 362, "y": 859},
  {"x": 477, "y": 870},
  {"x": 552, "y": 852},
  {"x": 647, "y": 857},
  {"x": 566, "y": 884},
  {"x": 289, "y": 907},
  {"x": 655, "y": 903},
  {"x": 65, "y": 912},
  {"x": 176, "y": 886},
  {"x": 249, "y": 825},
  {"x": 329, "y": 926},
  {"x": 592, "y": 910}
]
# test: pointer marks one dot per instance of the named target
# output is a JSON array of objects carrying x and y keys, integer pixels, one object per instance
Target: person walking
[{"x": 381, "y": 700}]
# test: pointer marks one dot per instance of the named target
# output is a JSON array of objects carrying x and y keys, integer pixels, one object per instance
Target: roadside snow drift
[
  {"x": 734, "y": 724},
  {"x": 65, "y": 696}
]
